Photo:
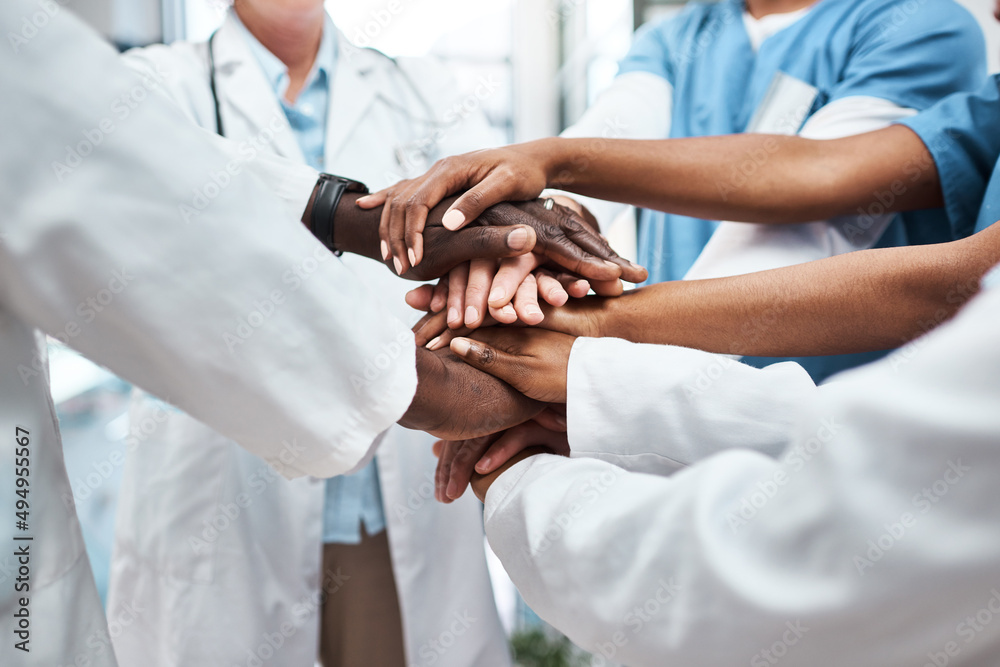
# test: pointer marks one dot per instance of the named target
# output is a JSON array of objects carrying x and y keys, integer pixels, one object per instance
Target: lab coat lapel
[
  {"x": 245, "y": 91},
  {"x": 354, "y": 90}
]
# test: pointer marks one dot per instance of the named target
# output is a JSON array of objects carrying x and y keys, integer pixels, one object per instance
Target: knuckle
[{"x": 487, "y": 356}]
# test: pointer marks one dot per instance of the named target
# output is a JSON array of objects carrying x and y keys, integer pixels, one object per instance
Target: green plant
[{"x": 536, "y": 648}]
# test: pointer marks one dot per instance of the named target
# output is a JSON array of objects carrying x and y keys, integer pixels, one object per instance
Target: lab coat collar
[
  {"x": 355, "y": 87},
  {"x": 244, "y": 86},
  {"x": 244, "y": 89},
  {"x": 276, "y": 71}
]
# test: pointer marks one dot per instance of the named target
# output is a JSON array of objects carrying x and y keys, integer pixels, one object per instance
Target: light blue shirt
[
  {"x": 351, "y": 500},
  {"x": 844, "y": 48}
]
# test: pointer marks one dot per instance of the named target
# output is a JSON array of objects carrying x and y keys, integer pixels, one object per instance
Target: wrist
[
  {"x": 481, "y": 483},
  {"x": 550, "y": 155},
  {"x": 327, "y": 214}
]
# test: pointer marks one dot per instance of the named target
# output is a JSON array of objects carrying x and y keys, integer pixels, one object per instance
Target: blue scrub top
[{"x": 909, "y": 52}]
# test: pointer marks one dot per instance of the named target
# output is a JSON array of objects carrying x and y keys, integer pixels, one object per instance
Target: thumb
[
  {"x": 469, "y": 206},
  {"x": 486, "y": 358},
  {"x": 490, "y": 243},
  {"x": 419, "y": 298}
]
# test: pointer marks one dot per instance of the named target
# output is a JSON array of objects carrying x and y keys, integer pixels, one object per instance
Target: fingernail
[
  {"x": 412, "y": 255},
  {"x": 509, "y": 311},
  {"x": 471, "y": 315},
  {"x": 517, "y": 239},
  {"x": 531, "y": 310},
  {"x": 398, "y": 264},
  {"x": 454, "y": 317},
  {"x": 498, "y": 294},
  {"x": 433, "y": 345},
  {"x": 635, "y": 266},
  {"x": 461, "y": 346},
  {"x": 362, "y": 200},
  {"x": 452, "y": 491},
  {"x": 612, "y": 264},
  {"x": 560, "y": 420},
  {"x": 483, "y": 466},
  {"x": 453, "y": 219},
  {"x": 385, "y": 251}
]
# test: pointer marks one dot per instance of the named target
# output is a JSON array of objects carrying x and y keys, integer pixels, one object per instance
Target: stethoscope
[{"x": 423, "y": 145}]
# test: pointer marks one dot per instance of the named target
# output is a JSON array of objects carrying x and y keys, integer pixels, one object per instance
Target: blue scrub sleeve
[
  {"x": 651, "y": 49},
  {"x": 914, "y": 53},
  {"x": 962, "y": 133}
]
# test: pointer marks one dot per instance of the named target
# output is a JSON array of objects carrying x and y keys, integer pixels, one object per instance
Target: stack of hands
[{"x": 514, "y": 318}]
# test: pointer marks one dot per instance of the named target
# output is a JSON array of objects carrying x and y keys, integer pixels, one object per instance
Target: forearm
[
  {"x": 750, "y": 177},
  {"x": 355, "y": 229},
  {"x": 863, "y": 301}
]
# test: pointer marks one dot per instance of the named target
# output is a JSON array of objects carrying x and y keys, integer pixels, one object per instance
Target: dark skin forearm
[
  {"x": 356, "y": 229},
  {"x": 858, "y": 302},
  {"x": 749, "y": 177}
]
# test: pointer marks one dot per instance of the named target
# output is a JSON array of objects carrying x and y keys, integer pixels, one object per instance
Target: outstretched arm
[
  {"x": 746, "y": 177},
  {"x": 856, "y": 302}
]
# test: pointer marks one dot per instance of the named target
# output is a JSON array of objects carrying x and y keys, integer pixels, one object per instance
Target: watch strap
[{"x": 330, "y": 190}]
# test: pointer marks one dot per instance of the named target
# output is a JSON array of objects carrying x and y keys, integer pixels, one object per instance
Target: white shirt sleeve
[
  {"x": 622, "y": 396},
  {"x": 873, "y": 539},
  {"x": 737, "y": 248},
  {"x": 637, "y": 105},
  {"x": 236, "y": 315}
]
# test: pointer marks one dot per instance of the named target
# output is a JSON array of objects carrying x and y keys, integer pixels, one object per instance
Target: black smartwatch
[{"x": 329, "y": 190}]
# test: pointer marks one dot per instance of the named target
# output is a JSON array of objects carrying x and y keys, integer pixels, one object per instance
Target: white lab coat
[
  {"x": 105, "y": 227},
  {"x": 863, "y": 531},
  {"x": 221, "y": 554}
]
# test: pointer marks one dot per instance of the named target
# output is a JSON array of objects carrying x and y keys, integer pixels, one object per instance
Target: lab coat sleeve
[
  {"x": 635, "y": 106},
  {"x": 178, "y": 72},
  {"x": 872, "y": 539},
  {"x": 235, "y": 315},
  {"x": 658, "y": 408}
]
